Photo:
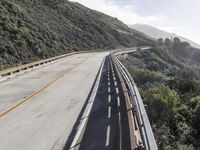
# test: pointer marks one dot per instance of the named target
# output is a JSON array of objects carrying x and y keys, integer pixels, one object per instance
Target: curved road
[{"x": 39, "y": 109}]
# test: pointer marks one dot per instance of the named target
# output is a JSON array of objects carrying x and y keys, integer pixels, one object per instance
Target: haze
[{"x": 177, "y": 16}]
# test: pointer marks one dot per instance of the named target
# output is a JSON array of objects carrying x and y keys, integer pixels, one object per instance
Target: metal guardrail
[
  {"x": 9, "y": 72},
  {"x": 143, "y": 121},
  {"x": 147, "y": 135},
  {"x": 14, "y": 70}
]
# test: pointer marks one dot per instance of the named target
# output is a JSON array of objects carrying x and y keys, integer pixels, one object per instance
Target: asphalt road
[
  {"x": 38, "y": 109},
  {"x": 107, "y": 127}
]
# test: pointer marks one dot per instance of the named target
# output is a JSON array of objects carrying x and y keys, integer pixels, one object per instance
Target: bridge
[{"x": 81, "y": 100}]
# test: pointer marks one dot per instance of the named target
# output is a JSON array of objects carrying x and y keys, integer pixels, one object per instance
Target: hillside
[
  {"x": 37, "y": 29},
  {"x": 157, "y": 33},
  {"x": 168, "y": 77}
]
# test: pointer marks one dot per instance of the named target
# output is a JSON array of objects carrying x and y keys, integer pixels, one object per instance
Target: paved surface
[
  {"x": 52, "y": 98},
  {"x": 107, "y": 126}
]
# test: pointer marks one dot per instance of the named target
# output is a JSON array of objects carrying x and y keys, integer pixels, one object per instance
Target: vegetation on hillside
[
  {"x": 37, "y": 29},
  {"x": 170, "y": 86}
]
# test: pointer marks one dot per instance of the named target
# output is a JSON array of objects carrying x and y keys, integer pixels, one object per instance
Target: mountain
[
  {"x": 37, "y": 29},
  {"x": 157, "y": 33}
]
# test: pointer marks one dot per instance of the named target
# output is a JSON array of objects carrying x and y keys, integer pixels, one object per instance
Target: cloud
[
  {"x": 123, "y": 12},
  {"x": 170, "y": 20}
]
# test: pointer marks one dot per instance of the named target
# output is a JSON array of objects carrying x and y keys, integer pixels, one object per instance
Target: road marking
[
  {"x": 109, "y": 98},
  {"x": 120, "y": 132},
  {"x": 108, "y": 79},
  {"x": 117, "y": 90},
  {"x": 109, "y": 111},
  {"x": 108, "y": 89},
  {"x": 118, "y": 101},
  {"x": 109, "y": 83},
  {"x": 40, "y": 90},
  {"x": 108, "y": 136},
  {"x": 108, "y": 67},
  {"x": 115, "y": 83},
  {"x": 87, "y": 111},
  {"x": 114, "y": 79}
]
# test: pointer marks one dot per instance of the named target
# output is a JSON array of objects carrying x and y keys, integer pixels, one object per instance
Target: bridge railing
[
  {"x": 148, "y": 139},
  {"x": 8, "y": 73}
]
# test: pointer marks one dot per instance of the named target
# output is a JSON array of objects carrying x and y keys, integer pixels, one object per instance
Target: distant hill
[
  {"x": 37, "y": 29},
  {"x": 157, "y": 33},
  {"x": 171, "y": 65}
]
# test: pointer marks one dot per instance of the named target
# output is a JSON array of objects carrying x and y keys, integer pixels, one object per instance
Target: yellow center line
[{"x": 40, "y": 90}]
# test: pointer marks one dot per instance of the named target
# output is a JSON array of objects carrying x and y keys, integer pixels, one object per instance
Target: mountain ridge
[
  {"x": 38, "y": 29},
  {"x": 158, "y": 33}
]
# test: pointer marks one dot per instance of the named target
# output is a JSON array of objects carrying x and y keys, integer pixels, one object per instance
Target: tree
[
  {"x": 196, "y": 104},
  {"x": 160, "y": 41},
  {"x": 168, "y": 42},
  {"x": 177, "y": 40}
]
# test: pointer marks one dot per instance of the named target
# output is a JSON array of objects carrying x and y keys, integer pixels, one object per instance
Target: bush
[
  {"x": 145, "y": 76},
  {"x": 161, "y": 103}
]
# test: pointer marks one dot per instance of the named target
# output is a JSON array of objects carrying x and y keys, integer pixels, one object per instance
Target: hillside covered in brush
[
  {"x": 36, "y": 29},
  {"x": 168, "y": 76}
]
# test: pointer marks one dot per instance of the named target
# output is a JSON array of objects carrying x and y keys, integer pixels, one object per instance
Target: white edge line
[
  {"x": 117, "y": 90},
  {"x": 108, "y": 136},
  {"x": 87, "y": 110},
  {"x": 108, "y": 89},
  {"x": 109, "y": 98},
  {"x": 109, "y": 111},
  {"x": 118, "y": 101}
]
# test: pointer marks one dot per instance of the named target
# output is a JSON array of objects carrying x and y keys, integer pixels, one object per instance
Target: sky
[{"x": 176, "y": 16}]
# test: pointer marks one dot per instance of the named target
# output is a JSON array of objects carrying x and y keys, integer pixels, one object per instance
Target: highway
[
  {"x": 38, "y": 109},
  {"x": 82, "y": 101},
  {"x": 107, "y": 127}
]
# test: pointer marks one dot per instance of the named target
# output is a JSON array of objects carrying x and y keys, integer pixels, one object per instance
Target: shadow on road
[{"x": 104, "y": 124}]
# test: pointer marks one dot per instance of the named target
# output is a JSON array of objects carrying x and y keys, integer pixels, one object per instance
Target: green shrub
[{"x": 161, "y": 98}]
